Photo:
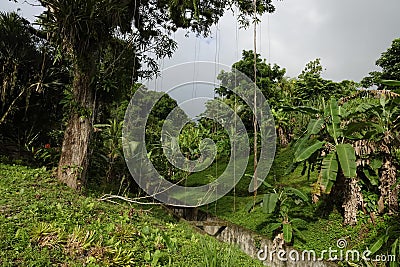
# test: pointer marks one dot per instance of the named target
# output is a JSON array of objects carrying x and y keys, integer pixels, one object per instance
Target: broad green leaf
[
  {"x": 269, "y": 202},
  {"x": 378, "y": 244},
  {"x": 273, "y": 226},
  {"x": 347, "y": 159},
  {"x": 301, "y": 109},
  {"x": 267, "y": 185},
  {"x": 329, "y": 170},
  {"x": 287, "y": 232},
  {"x": 298, "y": 193},
  {"x": 371, "y": 175},
  {"x": 329, "y": 187},
  {"x": 394, "y": 250},
  {"x": 355, "y": 129},
  {"x": 363, "y": 107},
  {"x": 251, "y": 204},
  {"x": 332, "y": 111},
  {"x": 308, "y": 151},
  {"x": 383, "y": 101},
  {"x": 375, "y": 164},
  {"x": 377, "y": 128},
  {"x": 343, "y": 112},
  {"x": 301, "y": 144},
  {"x": 296, "y": 221},
  {"x": 299, "y": 233},
  {"x": 314, "y": 126},
  {"x": 391, "y": 82},
  {"x": 334, "y": 131}
]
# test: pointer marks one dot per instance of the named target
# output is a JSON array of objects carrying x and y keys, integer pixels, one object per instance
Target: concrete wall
[{"x": 249, "y": 241}]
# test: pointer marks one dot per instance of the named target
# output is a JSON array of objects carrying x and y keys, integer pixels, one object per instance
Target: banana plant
[
  {"x": 281, "y": 119},
  {"x": 325, "y": 142},
  {"x": 391, "y": 240},
  {"x": 377, "y": 129},
  {"x": 337, "y": 156},
  {"x": 280, "y": 202}
]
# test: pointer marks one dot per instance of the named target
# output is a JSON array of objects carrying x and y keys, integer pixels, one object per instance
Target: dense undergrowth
[
  {"x": 44, "y": 223},
  {"x": 323, "y": 223}
]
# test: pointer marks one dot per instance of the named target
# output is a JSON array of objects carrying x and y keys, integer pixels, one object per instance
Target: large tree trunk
[
  {"x": 352, "y": 200},
  {"x": 389, "y": 195},
  {"x": 74, "y": 159},
  {"x": 346, "y": 194}
]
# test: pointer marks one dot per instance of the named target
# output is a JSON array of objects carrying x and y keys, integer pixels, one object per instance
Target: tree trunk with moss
[{"x": 74, "y": 160}]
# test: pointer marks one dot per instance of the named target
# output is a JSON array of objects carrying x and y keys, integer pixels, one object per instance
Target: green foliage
[
  {"x": 269, "y": 202},
  {"x": 347, "y": 160},
  {"x": 47, "y": 156},
  {"x": 389, "y": 62},
  {"x": 281, "y": 202},
  {"x": 215, "y": 257},
  {"x": 334, "y": 157},
  {"x": 388, "y": 243},
  {"x": 308, "y": 151},
  {"x": 331, "y": 113},
  {"x": 312, "y": 88},
  {"x": 329, "y": 170},
  {"x": 45, "y": 223},
  {"x": 268, "y": 77},
  {"x": 111, "y": 149},
  {"x": 30, "y": 89}
]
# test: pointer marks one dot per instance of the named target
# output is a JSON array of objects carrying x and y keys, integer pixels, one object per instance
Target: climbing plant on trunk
[{"x": 80, "y": 29}]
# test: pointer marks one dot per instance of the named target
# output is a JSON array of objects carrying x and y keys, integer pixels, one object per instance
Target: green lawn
[{"x": 44, "y": 223}]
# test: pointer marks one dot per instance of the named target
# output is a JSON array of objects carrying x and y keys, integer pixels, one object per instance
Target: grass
[{"x": 44, "y": 223}]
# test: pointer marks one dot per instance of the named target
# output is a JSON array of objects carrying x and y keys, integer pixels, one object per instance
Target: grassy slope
[
  {"x": 320, "y": 232},
  {"x": 44, "y": 223}
]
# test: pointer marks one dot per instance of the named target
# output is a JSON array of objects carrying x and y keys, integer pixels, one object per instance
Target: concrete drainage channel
[{"x": 248, "y": 241}]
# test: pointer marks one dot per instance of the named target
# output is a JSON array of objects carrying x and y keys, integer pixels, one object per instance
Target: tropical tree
[
  {"x": 268, "y": 77},
  {"x": 311, "y": 87},
  {"x": 390, "y": 64},
  {"x": 82, "y": 28}
]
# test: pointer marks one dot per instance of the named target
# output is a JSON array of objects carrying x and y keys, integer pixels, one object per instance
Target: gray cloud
[{"x": 348, "y": 36}]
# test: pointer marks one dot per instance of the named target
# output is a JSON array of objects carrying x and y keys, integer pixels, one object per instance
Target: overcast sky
[{"x": 348, "y": 36}]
